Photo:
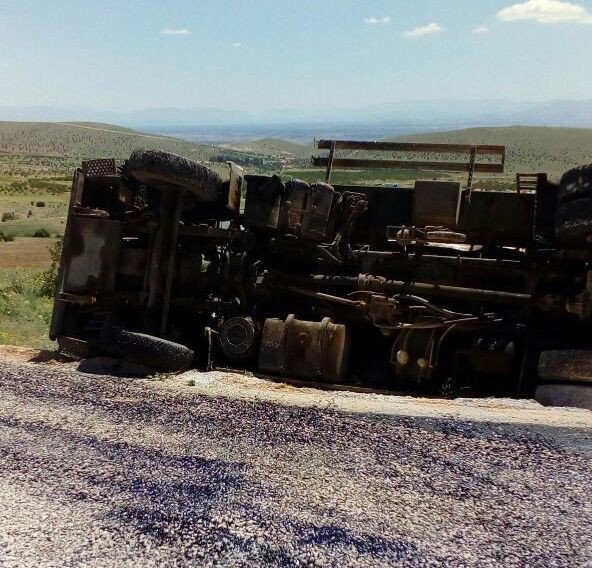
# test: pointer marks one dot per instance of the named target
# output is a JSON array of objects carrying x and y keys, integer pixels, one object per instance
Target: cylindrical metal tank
[
  {"x": 305, "y": 209},
  {"x": 293, "y": 207},
  {"x": 263, "y": 202},
  {"x": 316, "y": 213},
  {"x": 304, "y": 349}
]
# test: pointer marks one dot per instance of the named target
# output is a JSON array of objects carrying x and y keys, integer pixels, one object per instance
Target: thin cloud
[
  {"x": 481, "y": 30},
  {"x": 377, "y": 21},
  {"x": 237, "y": 44},
  {"x": 175, "y": 31},
  {"x": 432, "y": 28},
  {"x": 546, "y": 12}
]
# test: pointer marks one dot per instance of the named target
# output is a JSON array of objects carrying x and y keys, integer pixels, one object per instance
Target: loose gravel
[{"x": 98, "y": 471}]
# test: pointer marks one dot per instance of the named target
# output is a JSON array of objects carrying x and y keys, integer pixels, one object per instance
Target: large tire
[
  {"x": 575, "y": 183},
  {"x": 164, "y": 171},
  {"x": 146, "y": 349},
  {"x": 571, "y": 396},
  {"x": 565, "y": 377},
  {"x": 573, "y": 224},
  {"x": 566, "y": 365}
]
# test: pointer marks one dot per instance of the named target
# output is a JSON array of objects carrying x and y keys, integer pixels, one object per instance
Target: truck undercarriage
[{"x": 433, "y": 288}]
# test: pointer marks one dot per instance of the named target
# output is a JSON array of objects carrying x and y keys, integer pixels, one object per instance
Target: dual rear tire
[
  {"x": 565, "y": 378},
  {"x": 573, "y": 226}
]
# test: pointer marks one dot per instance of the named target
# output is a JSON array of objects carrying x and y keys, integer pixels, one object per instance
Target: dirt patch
[
  {"x": 25, "y": 252},
  {"x": 14, "y": 354}
]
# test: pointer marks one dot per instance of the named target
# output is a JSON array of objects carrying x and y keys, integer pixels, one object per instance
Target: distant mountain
[
  {"x": 159, "y": 116},
  {"x": 415, "y": 115}
]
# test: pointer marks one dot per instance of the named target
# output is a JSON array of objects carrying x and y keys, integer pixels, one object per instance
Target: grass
[
  {"x": 25, "y": 313},
  {"x": 28, "y": 227},
  {"x": 30, "y": 218}
]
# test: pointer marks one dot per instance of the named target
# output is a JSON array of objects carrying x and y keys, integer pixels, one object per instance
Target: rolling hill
[
  {"x": 275, "y": 147},
  {"x": 529, "y": 148},
  {"x": 88, "y": 140}
]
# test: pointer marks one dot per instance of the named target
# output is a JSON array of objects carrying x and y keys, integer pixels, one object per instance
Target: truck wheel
[
  {"x": 146, "y": 349},
  {"x": 164, "y": 171},
  {"x": 569, "y": 365},
  {"x": 576, "y": 182},
  {"x": 572, "y": 396},
  {"x": 573, "y": 224},
  {"x": 566, "y": 378}
]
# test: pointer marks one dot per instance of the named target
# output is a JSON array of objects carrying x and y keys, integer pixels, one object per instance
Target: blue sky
[{"x": 237, "y": 54}]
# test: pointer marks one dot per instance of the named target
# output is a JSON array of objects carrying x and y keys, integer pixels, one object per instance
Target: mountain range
[{"x": 410, "y": 115}]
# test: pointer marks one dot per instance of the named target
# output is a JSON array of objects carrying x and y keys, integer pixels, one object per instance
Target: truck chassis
[{"x": 433, "y": 288}]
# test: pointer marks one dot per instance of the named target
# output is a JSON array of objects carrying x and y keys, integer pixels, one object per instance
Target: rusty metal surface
[
  {"x": 495, "y": 163},
  {"x": 235, "y": 189},
  {"x": 436, "y": 203},
  {"x": 529, "y": 182},
  {"x": 239, "y": 338},
  {"x": 440, "y": 166},
  {"x": 410, "y": 147},
  {"x": 57, "y": 316},
  {"x": 92, "y": 260},
  {"x": 304, "y": 349},
  {"x": 292, "y": 208},
  {"x": 495, "y": 216},
  {"x": 264, "y": 200},
  {"x": 318, "y": 209}
]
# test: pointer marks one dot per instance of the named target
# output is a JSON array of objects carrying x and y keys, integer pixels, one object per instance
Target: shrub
[
  {"x": 42, "y": 233},
  {"x": 8, "y": 216},
  {"x": 40, "y": 204},
  {"x": 6, "y": 238},
  {"x": 46, "y": 280},
  {"x": 47, "y": 185}
]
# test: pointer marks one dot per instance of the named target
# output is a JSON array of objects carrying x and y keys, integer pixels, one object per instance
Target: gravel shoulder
[{"x": 237, "y": 471}]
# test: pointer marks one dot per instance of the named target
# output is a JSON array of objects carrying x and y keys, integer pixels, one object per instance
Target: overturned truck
[{"x": 434, "y": 288}]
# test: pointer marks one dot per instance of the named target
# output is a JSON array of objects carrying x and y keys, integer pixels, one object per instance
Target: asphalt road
[{"x": 110, "y": 472}]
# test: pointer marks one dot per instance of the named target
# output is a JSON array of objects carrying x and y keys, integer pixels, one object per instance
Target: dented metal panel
[
  {"x": 91, "y": 267},
  {"x": 318, "y": 209},
  {"x": 264, "y": 200},
  {"x": 235, "y": 189},
  {"x": 436, "y": 204}
]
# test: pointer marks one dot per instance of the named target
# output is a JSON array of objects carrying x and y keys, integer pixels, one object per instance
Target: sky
[{"x": 247, "y": 55}]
